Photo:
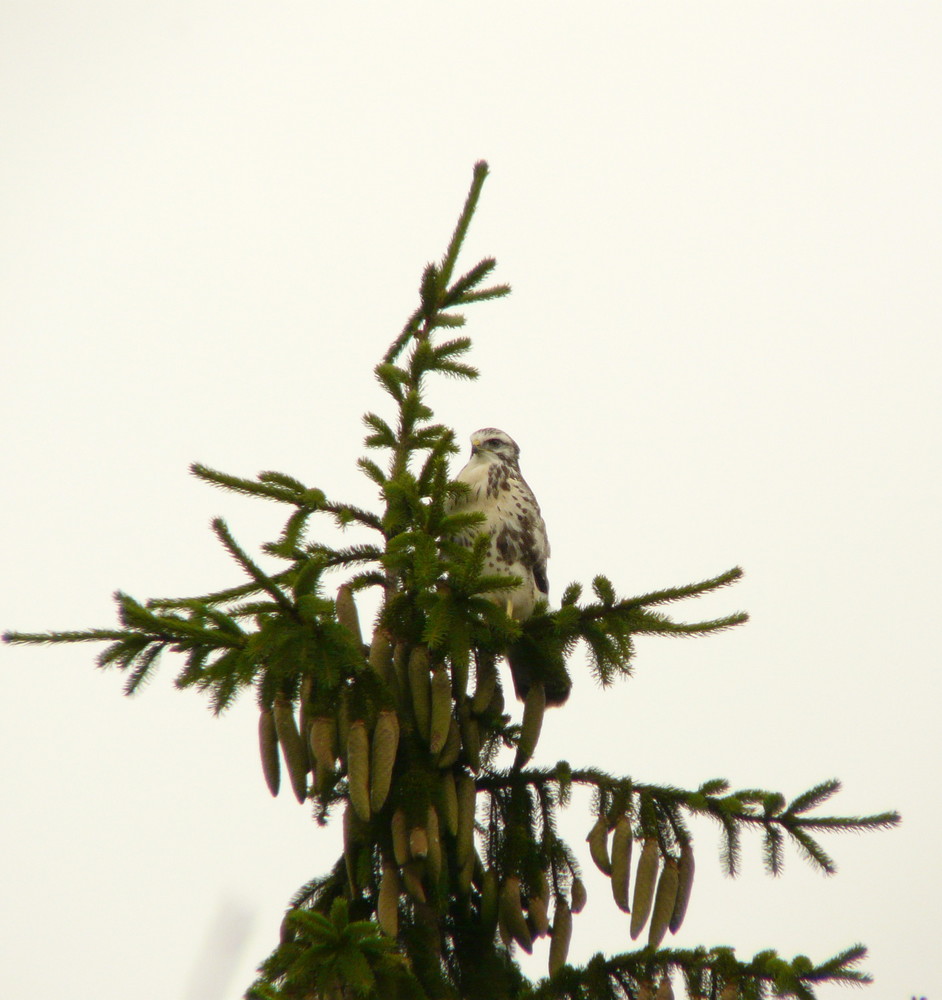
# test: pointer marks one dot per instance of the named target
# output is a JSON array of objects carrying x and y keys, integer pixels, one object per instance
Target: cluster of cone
[
  {"x": 661, "y": 886},
  {"x": 430, "y": 703}
]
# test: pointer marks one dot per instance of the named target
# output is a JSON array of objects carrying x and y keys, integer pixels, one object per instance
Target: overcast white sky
[{"x": 722, "y": 225}]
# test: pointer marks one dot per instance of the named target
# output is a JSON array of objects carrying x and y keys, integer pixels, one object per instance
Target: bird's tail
[{"x": 530, "y": 662}]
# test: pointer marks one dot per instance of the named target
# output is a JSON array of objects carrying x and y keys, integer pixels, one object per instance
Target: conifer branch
[
  {"x": 485, "y": 295},
  {"x": 345, "y": 514},
  {"x": 51, "y": 638},
  {"x": 142, "y": 666},
  {"x": 653, "y": 624},
  {"x": 263, "y": 580},
  {"x": 248, "y": 487},
  {"x": 689, "y": 590},
  {"x": 372, "y": 470},
  {"x": 218, "y": 596},
  {"x": 461, "y": 230},
  {"x": 843, "y": 824},
  {"x": 350, "y": 556},
  {"x": 734, "y": 812},
  {"x": 412, "y": 325},
  {"x": 813, "y": 797},
  {"x": 705, "y": 971},
  {"x": 286, "y": 489}
]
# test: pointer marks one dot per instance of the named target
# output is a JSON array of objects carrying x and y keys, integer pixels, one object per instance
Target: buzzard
[{"x": 518, "y": 546}]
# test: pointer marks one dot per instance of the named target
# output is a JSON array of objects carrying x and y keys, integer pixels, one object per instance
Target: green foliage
[
  {"x": 460, "y": 861},
  {"x": 332, "y": 956},
  {"x": 704, "y": 972}
]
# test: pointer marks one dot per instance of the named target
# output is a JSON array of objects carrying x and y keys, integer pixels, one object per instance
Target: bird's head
[{"x": 490, "y": 444}]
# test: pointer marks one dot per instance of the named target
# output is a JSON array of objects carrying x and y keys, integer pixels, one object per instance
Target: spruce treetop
[{"x": 452, "y": 858}]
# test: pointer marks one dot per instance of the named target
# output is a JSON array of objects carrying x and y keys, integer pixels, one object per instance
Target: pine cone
[
  {"x": 268, "y": 749},
  {"x": 358, "y": 768},
  {"x": 645, "y": 880},
  {"x": 562, "y": 934},
  {"x": 664, "y": 900},
  {"x": 385, "y": 744},
  {"x": 621, "y": 863}
]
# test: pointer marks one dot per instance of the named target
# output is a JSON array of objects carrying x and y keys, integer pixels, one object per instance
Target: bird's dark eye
[{"x": 493, "y": 442}]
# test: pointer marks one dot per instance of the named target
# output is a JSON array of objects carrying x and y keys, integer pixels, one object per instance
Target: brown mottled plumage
[{"x": 519, "y": 546}]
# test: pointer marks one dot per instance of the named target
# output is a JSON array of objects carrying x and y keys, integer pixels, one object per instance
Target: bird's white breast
[{"x": 503, "y": 507}]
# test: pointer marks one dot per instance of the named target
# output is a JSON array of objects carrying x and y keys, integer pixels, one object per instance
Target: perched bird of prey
[{"x": 518, "y": 544}]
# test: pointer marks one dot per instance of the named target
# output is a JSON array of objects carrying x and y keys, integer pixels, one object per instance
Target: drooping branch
[{"x": 734, "y": 811}]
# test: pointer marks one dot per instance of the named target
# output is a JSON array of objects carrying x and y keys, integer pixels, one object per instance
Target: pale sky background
[{"x": 722, "y": 225}]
